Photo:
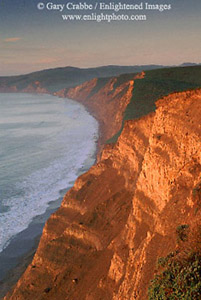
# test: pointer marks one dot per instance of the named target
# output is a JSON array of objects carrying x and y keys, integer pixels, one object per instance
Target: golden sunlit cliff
[
  {"x": 107, "y": 104},
  {"x": 121, "y": 215}
]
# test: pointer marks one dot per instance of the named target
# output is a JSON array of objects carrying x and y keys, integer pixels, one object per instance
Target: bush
[
  {"x": 178, "y": 275},
  {"x": 178, "y": 279},
  {"x": 182, "y": 232}
]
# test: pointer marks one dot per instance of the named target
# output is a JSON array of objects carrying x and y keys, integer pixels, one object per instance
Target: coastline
[
  {"x": 30, "y": 238},
  {"x": 122, "y": 214},
  {"x": 19, "y": 257},
  {"x": 102, "y": 116},
  {"x": 15, "y": 273}
]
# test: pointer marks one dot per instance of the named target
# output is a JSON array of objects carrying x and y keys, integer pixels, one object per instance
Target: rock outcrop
[{"x": 121, "y": 215}]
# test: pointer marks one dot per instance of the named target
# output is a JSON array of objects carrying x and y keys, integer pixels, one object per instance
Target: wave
[{"x": 77, "y": 146}]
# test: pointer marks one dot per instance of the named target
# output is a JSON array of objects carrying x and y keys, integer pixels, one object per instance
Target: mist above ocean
[{"x": 44, "y": 142}]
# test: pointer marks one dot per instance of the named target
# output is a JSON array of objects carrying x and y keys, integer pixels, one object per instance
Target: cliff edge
[{"x": 121, "y": 215}]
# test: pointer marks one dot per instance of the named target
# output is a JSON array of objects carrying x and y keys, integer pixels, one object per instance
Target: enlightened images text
[{"x": 116, "y": 7}]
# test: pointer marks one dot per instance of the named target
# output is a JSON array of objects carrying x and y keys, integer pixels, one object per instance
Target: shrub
[
  {"x": 182, "y": 232},
  {"x": 179, "y": 279},
  {"x": 178, "y": 275}
]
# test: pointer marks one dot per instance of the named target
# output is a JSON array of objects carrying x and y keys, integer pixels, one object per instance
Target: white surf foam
[{"x": 45, "y": 184}]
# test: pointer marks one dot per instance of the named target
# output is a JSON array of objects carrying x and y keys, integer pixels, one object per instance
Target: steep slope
[
  {"x": 104, "y": 101},
  {"x": 122, "y": 214},
  {"x": 163, "y": 198}
]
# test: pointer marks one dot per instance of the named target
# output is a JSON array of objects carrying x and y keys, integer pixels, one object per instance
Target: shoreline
[
  {"x": 102, "y": 134},
  {"x": 30, "y": 238},
  {"x": 20, "y": 261},
  {"x": 15, "y": 273}
]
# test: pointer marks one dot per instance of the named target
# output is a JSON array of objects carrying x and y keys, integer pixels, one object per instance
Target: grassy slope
[
  {"x": 59, "y": 78},
  {"x": 156, "y": 84}
]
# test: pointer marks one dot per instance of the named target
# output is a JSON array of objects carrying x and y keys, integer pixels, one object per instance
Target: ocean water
[{"x": 44, "y": 143}]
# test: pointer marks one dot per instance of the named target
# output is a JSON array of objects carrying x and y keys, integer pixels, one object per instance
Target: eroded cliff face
[
  {"x": 163, "y": 197},
  {"x": 121, "y": 215},
  {"x": 106, "y": 103}
]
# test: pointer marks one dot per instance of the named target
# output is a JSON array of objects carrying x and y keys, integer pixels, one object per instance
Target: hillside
[
  {"x": 124, "y": 213},
  {"x": 52, "y": 80}
]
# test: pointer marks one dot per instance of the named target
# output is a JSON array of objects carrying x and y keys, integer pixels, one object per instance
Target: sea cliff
[{"x": 121, "y": 215}]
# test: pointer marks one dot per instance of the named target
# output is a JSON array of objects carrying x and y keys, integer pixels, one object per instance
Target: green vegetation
[
  {"x": 178, "y": 275},
  {"x": 182, "y": 232},
  {"x": 180, "y": 279},
  {"x": 157, "y": 84}
]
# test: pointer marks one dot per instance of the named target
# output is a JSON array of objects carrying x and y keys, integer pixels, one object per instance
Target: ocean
[{"x": 45, "y": 143}]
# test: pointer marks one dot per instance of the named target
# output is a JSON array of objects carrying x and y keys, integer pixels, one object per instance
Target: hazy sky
[{"x": 33, "y": 39}]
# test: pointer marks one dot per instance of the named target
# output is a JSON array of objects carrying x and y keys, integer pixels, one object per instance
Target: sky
[{"x": 33, "y": 39}]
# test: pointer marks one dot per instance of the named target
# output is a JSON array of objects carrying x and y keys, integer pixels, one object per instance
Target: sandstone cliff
[
  {"x": 105, "y": 102},
  {"x": 121, "y": 215}
]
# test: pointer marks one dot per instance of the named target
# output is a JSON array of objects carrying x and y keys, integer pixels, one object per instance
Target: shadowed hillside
[
  {"x": 157, "y": 84},
  {"x": 56, "y": 79}
]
